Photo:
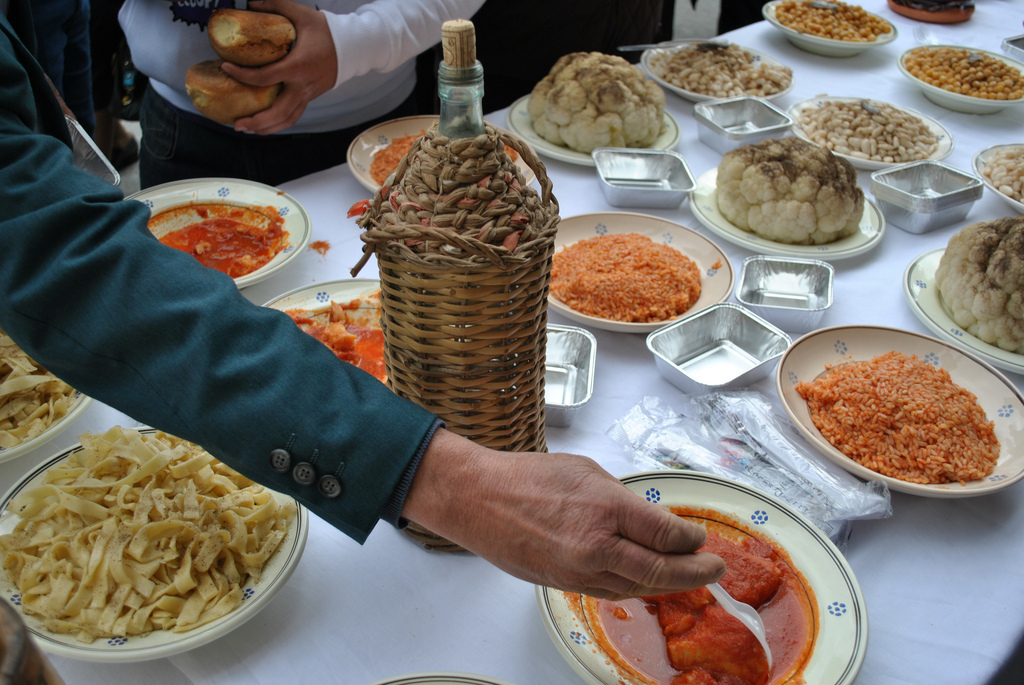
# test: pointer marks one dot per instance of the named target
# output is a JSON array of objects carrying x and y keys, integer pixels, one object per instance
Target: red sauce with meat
[
  {"x": 233, "y": 240},
  {"x": 359, "y": 344},
  {"x": 687, "y": 638}
]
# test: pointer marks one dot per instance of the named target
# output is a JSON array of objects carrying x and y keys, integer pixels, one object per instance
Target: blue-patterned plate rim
[
  {"x": 297, "y": 222},
  {"x": 157, "y": 644},
  {"x": 922, "y": 294},
  {"x": 322, "y": 294},
  {"x": 998, "y": 396},
  {"x": 842, "y": 634}
]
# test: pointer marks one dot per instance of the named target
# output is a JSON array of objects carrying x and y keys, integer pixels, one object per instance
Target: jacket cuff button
[
  {"x": 329, "y": 486},
  {"x": 304, "y": 473},
  {"x": 280, "y": 460}
]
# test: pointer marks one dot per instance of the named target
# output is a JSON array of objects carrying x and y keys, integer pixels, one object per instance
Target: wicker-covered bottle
[{"x": 464, "y": 250}]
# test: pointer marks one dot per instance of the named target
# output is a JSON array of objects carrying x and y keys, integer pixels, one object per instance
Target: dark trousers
[
  {"x": 178, "y": 145},
  {"x": 62, "y": 48}
]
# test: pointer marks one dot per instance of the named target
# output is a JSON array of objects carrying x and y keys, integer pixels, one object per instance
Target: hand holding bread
[
  {"x": 251, "y": 39},
  {"x": 307, "y": 69},
  {"x": 221, "y": 98}
]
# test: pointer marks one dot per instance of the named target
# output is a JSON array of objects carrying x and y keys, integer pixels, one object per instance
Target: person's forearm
[
  {"x": 93, "y": 297},
  {"x": 384, "y": 34},
  {"x": 557, "y": 520},
  {"x": 450, "y": 464}
]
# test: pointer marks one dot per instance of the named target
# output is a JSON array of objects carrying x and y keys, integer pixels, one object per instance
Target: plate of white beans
[
  {"x": 701, "y": 70},
  {"x": 868, "y": 133},
  {"x": 1001, "y": 168}
]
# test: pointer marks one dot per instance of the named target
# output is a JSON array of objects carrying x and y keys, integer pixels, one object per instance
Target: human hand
[
  {"x": 307, "y": 71},
  {"x": 557, "y": 520}
]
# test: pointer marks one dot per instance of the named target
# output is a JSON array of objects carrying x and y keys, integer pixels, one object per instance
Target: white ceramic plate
[
  {"x": 646, "y": 59},
  {"x": 159, "y": 643},
  {"x": 717, "y": 276},
  {"x": 372, "y": 140},
  {"x": 704, "y": 204},
  {"x": 956, "y": 101},
  {"x": 78, "y": 405},
  {"x": 942, "y": 150},
  {"x": 843, "y": 622},
  {"x": 922, "y": 295},
  {"x": 980, "y": 164},
  {"x": 827, "y": 47},
  {"x": 440, "y": 679},
  {"x": 1002, "y": 402},
  {"x": 322, "y": 294},
  {"x": 521, "y": 123},
  {"x": 236, "y": 191}
]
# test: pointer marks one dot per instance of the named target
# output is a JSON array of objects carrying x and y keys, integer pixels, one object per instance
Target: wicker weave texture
[
  {"x": 453, "y": 205},
  {"x": 464, "y": 248},
  {"x": 471, "y": 347},
  {"x": 464, "y": 252}
]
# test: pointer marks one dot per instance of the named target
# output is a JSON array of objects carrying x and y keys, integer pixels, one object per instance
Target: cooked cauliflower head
[
  {"x": 591, "y": 100},
  {"x": 981, "y": 281},
  {"x": 790, "y": 191}
]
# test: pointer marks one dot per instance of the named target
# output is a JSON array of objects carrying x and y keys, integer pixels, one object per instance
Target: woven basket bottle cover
[{"x": 464, "y": 249}]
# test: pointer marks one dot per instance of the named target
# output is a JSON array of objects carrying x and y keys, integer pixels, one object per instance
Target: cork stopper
[{"x": 458, "y": 43}]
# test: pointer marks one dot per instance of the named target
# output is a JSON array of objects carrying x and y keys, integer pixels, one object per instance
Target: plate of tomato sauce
[
  {"x": 376, "y": 152},
  {"x": 779, "y": 562},
  {"x": 345, "y": 316},
  {"x": 242, "y": 228}
]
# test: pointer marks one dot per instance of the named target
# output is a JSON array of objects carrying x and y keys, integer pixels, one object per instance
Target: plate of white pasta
[
  {"x": 137, "y": 545},
  {"x": 35, "y": 405}
]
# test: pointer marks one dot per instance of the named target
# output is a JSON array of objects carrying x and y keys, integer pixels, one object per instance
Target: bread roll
[
  {"x": 250, "y": 39},
  {"x": 222, "y": 98}
]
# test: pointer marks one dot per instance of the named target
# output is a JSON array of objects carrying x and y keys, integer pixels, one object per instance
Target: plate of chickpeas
[
  {"x": 828, "y": 27},
  {"x": 965, "y": 79}
]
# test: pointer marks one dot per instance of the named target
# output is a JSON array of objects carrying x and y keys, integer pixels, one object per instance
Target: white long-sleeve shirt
[{"x": 376, "y": 44}]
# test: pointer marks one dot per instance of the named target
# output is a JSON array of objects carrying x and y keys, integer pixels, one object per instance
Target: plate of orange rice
[
  {"x": 634, "y": 273},
  {"x": 920, "y": 414},
  {"x": 375, "y": 152}
]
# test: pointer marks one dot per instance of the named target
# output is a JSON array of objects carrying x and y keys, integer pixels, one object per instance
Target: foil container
[
  {"x": 791, "y": 292},
  {"x": 922, "y": 196},
  {"x": 1014, "y": 47},
  {"x": 729, "y": 123},
  {"x": 722, "y": 347},
  {"x": 568, "y": 372},
  {"x": 632, "y": 177}
]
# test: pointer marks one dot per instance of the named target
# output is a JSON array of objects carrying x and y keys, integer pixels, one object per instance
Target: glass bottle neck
[{"x": 461, "y": 92}]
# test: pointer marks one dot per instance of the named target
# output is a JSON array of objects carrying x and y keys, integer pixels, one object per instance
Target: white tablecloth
[{"x": 943, "y": 579}]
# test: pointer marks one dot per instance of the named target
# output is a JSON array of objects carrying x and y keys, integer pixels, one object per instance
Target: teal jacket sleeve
[{"x": 91, "y": 295}]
